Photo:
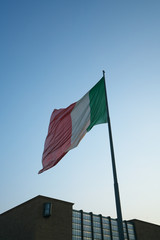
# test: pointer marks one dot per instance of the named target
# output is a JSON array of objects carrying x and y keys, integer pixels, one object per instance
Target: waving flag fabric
[{"x": 69, "y": 125}]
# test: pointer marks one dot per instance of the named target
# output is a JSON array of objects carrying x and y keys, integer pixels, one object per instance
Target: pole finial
[{"x": 103, "y": 73}]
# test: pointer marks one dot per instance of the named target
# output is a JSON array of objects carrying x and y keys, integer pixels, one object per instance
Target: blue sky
[{"x": 51, "y": 54}]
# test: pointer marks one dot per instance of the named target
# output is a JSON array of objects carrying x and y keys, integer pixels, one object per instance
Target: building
[
  {"x": 44, "y": 218},
  {"x": 91, "y": 226}
]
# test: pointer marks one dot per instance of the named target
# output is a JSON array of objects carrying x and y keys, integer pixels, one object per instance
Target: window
[
  {"x": 105, "y": 220},
  {"x": 47, "y": 209},
  {"x": 97, "y": 227}
]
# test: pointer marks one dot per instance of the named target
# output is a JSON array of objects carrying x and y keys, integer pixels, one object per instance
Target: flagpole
[{"x": 116, "y": 188}]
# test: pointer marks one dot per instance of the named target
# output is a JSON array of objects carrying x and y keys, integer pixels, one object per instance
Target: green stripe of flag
[{"x": 98, "y": 110}]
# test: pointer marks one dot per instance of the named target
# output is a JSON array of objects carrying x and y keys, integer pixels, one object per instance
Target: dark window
[{"x": 47, "y": 209}]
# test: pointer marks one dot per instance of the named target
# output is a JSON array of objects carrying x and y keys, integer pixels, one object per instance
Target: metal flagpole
[{"x": 116, "y": 188}]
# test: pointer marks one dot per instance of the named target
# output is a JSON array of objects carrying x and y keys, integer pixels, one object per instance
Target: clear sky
[{"x": 51, "y": 53}]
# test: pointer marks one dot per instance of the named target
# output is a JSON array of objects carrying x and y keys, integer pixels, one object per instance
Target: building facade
[
  {"x": 43, "y": 218},
  {"x": 88, "y": 226},
  {"x": 29, "y": 221}
]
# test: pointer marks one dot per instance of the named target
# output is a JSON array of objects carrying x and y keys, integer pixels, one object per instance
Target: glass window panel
[
  {"x": 114, "y": 222},
  {"x": 96, "y": 230},
  {"x": 125, "y": 235},
  {"x": 132, "y": 237},
  {"x": 86, "y": 216},
  {"x": 105, "y": 220},
  {"x": 131, "y": 231},
  {"x": 76, "y": 220},
  {"x": 76, "y": 213},
  {"x": 106, "y": 226},
  {"x": 124, "y": 229},
  {"x": 87, "y": 228},
  {"x": 87, "y": 234},
  {"x": 96, "y": 224},
  {"x": 106, "y": 237},
  {"x": 47, "y": 209},
  {"x": 130, "y": 226},
  {"x": 114, "y": 228},
  {"x": 106, "y": 232},
  {"x": 76, "y": 232},
  {"x": 86, "y": 222},
  {"x": 96, "y": 218},
  {"x": 76, "y": 238},
  {"x": 115, "y": 238},
  {"x": 115, "y": 233},
  {"x": 97, "y": 236},
  {"x": 76, "y": 226}
]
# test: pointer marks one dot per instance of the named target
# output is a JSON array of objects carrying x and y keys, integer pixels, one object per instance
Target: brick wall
[
  {"x": 26, "y": 221},
  {"x": 146, "y": 231}
]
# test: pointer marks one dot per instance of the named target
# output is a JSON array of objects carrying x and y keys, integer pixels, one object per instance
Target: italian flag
[{"x": 69, "y": 125}]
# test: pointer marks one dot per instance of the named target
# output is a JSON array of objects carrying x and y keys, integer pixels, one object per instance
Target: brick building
[{"x": 44, "y": 218}]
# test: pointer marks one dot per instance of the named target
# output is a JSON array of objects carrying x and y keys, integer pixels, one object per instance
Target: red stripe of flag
[{"x": 58, "y": 139}]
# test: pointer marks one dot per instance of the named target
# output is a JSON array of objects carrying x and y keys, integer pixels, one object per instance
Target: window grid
[{"x": 89, "y": 226}]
